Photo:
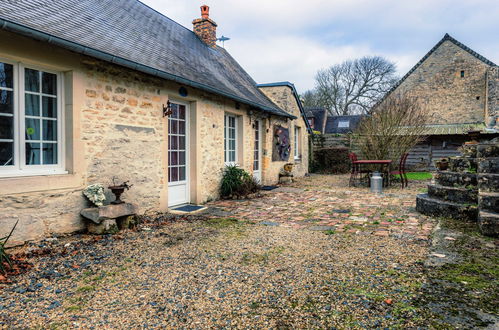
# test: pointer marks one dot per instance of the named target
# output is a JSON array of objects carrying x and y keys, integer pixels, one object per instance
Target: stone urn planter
[{"x": 442, "y": 164}]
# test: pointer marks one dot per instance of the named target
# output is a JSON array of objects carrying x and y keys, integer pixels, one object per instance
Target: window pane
[
  {"x": 181, "y": 142},
  {"x": 32, "y": 129},
  {"x": 32, "y": 105},
  {"x": 181, "y": 173},
  {"x": 181, "y": 158},
  {"x": 174, "y": 111},
  {"x": 33, "y": 154},
  {"x": 181, "y": 127},
  {"x": 6, "y": 104},
  {"x": 50, "y": 130},
  {"x": 232, "y": 156},
  {"x": 49, "y": 83},
  {"x": 6, "y": 153},
  {"x": 31, "y": 80},
  {"x": 174, "y": 126},
  {"x": 181, "y": 113},
  {"x": 6, "y": 127},
  {"x": 50, "y": 153},
  {"x": 6, "y": 73},
  {"x": 174, "y": 143},
  {"x": 174, "y": 158},
  {"x": 49, "y": 106},
  {"x": 174, "y": 174}
]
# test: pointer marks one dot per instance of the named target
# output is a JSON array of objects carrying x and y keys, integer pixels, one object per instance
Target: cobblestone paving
[{"x": 326, "y": 202}]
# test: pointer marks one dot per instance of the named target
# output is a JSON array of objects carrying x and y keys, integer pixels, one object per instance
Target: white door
[
  {"x": 178, "y": 155},
  {"x": 257, "y": 164}
]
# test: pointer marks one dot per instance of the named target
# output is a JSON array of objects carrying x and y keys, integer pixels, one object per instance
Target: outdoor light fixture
[{"x": 167, "y": 110}]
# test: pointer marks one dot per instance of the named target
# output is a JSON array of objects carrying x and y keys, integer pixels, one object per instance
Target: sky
[{"x": 290, "y": 40}]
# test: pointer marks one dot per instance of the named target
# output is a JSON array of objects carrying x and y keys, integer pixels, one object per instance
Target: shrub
[
  {"x": 5, "y": 260},
  {"x": 331, "y": 160},
  {"x": 236, "y": 182}
]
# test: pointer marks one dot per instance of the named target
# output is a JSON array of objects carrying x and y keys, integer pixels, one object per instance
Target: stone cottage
[
  {"x": 460, "y": 89},
  {"x": 92, "y": 90}
]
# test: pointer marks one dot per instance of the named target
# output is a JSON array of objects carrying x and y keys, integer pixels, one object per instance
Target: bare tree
[
  {"x": 310, "y": 99},
  {"x": 354, "y": 86},
  {"x": 394, "y": 127}
]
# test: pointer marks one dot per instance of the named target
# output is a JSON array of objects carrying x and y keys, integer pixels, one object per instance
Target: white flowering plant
[{"x": 95, "y": 193}]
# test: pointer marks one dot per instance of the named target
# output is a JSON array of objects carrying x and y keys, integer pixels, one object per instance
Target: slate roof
[
  {"x": 455, "y": 129},
  {"x": 446, "y": 37},
  {"x": 319, "y": 115},
  {"x": 332, "y": 124},
  {"x": 131, "y": 34}
]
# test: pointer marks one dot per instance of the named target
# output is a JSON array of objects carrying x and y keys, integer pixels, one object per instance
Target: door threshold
[{"x": 186, "y": 209}]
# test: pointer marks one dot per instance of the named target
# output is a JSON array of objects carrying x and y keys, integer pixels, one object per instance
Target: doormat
[
  {"x": 188, "y": 209},
  {"x": 269, "y": 187}
]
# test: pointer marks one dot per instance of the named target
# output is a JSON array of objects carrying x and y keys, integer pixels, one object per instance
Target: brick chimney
[{"x": 205, "y": 28}]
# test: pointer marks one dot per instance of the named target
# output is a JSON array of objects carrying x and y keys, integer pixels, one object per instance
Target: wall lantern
[{"x": 167, "y": 110}]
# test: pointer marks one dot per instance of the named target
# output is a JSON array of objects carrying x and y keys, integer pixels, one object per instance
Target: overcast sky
[{"x": 289, "y": 40}]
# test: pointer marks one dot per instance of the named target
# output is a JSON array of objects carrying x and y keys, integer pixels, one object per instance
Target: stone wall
[
  {"x": 492, "y": 120},
  {"x": 283, "y": 96},
  {"x": 449, "y": 97}
]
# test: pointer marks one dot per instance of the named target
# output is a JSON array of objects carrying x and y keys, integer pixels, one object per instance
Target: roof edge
[
  {"x": 92, "y": 52},
  {"x": 446, "y": 37},
  {"x": 295, "y": 94}
]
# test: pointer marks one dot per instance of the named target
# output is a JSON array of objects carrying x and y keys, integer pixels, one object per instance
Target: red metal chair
[
  {"x": 353, "y": 175},
  {"x": 357, "y": 172},
  {"x": 401, "y": 171}
]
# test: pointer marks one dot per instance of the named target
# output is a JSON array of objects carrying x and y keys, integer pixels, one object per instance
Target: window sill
[
  {"x": 297, "y": 160},
  {"x": 16, "y": 174},
  {"x": 39, "y": 182}
]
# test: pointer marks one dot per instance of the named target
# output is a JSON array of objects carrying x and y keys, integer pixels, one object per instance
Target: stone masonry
[
  {"x": 120, "y": 132},
  {"x": 468, "y": 190},
  {"x": 492, "y": 115},
  {"x": 451, "y": 83},
  {"x": 284, "y": 98}
]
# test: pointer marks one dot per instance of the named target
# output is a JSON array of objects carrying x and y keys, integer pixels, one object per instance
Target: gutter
[{"x": 84, "y": 50}]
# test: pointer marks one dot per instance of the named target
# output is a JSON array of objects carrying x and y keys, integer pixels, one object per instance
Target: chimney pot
[{"x": 205, "y": 11}]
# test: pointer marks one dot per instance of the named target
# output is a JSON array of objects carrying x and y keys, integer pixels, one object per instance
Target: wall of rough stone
[
  {"x": 115, "y": 128},
  {"x": 492, "y": 120},
  {"x": 284, "y": 98},
  {"x": 449, "y": 97}
]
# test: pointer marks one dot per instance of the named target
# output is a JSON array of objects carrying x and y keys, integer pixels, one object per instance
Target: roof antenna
[{"x": 223, "y": 39}]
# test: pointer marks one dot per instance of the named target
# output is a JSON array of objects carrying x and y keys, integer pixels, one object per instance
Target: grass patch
[
  {"x": 86, "y": 288},
  {"x": 416, "y": 176}
]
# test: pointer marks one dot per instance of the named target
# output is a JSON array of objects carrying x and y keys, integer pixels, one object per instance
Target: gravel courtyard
[{"x": 314, "y": 254}]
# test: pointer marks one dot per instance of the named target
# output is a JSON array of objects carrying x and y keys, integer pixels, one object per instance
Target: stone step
[
  {"x": 453, "y": 194},
  {"x": 488, "y": 222},
  {"x": 488, "y": 165},
  {"x": 488, "y": 150},
  {"x": 488, "y": 201},
  {"x": 463, "y": 164},
  {"x": 488, "y": 182},
  {"x": 456, "y": 179},
  {"x": 440, "y": 208},
  {"x": 469, "y": 150}
]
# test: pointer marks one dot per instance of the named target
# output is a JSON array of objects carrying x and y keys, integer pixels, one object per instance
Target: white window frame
[
  {"x": 227, "y": 151},
  {"x": 297, "y": 143},
  {"x": 20, "y": 168}
]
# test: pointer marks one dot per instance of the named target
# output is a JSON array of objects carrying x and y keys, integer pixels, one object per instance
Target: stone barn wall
[{"x": 449, "y": 97}]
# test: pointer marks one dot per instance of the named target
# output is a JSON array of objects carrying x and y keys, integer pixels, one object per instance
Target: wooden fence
[{"x": 422, "y": 157}]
